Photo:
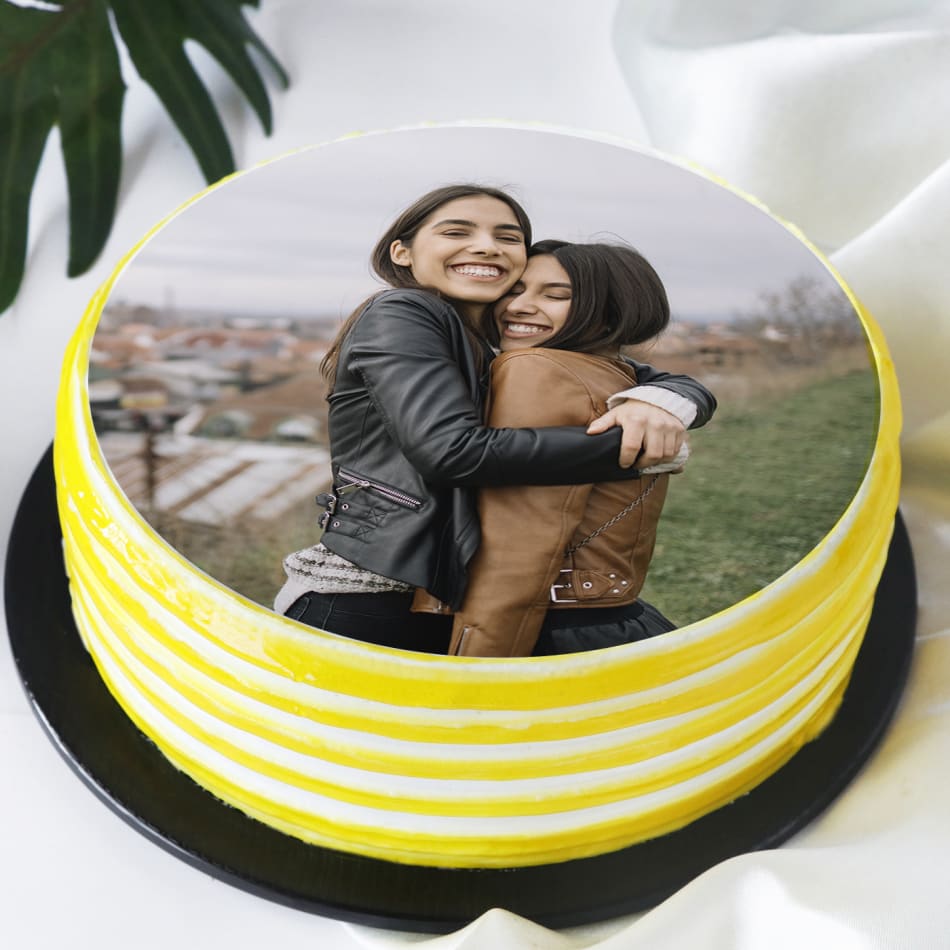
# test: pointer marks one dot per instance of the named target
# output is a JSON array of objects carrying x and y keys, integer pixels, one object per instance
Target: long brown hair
[{"x": 404, "y": 229}]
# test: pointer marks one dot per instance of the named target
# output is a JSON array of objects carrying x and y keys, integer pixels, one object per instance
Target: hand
[{"x": 650, "y": 434}]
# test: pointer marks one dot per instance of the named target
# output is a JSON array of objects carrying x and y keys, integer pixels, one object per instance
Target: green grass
[{"x": 763, "y": 486}]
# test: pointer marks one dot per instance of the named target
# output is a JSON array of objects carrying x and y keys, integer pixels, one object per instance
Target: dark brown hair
[
  {"x": 404, "y": 229},
  {"x": 617, "y": 298}
]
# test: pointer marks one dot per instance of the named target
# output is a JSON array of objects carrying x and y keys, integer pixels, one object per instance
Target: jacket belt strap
[
  {"x": 587, "y": 585},
  {"x": 329, "y": 500}
]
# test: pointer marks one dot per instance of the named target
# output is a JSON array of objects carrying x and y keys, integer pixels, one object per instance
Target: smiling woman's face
[
  {"x": 470, "y": 250},
  {"x": 536, "y": 307}
]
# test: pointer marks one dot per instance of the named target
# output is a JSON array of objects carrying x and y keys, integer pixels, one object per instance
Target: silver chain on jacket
[{"x": 622, "y": 514}]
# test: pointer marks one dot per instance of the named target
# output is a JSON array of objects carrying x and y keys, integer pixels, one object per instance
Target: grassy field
[{"x": 765, "y": 483}]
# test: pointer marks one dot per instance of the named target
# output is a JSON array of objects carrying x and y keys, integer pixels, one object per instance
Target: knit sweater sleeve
[{"x": 686, "y": 398}]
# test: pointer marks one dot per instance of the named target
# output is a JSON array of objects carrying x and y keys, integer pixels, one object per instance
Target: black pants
[
  {"x": 386, "y": 619},
  {"x": 575, "y": 630},
  {"x": 375, "y": 618}
]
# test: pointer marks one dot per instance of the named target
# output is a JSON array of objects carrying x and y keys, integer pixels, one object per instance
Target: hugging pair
[{"x": 483, "y": 505}]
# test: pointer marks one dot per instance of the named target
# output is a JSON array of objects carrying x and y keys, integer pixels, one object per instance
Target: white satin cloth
[{"x": 835, "y": 115}]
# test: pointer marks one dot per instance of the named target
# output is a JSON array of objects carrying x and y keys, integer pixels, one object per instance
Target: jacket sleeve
[
  {"x": 678, "y": 383},
  {"x": 525, "y": 529},
  {"x": 404, "y": 349}
]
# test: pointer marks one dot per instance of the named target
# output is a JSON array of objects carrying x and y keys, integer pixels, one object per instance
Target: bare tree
[{"x": 806, "y": 319}]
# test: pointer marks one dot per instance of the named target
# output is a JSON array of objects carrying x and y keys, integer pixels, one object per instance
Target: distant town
[{"x": 210, "y": 419}]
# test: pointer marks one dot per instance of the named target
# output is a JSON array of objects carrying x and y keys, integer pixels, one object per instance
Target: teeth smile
[
  {"x": 477, "y": 270},
  {"x": 524, "y": 328}
]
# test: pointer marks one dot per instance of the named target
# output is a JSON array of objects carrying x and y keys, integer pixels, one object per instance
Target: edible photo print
[{"x": 300, "y": 380}]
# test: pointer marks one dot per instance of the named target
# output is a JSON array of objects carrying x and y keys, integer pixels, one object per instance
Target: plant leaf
[
  {"x": 62, "y": 66},
  {"x": 155, "y": 45},
  {"x": 91, "y": 91},
  {"x": 219, "y": 26},
  {"x": 27, "y": 114},
  {"x": 251, "y": 37}
]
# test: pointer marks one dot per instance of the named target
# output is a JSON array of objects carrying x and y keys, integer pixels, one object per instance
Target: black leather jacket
[{"x": 409, "y": 446}]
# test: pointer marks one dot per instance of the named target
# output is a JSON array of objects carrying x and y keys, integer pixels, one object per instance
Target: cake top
[{"x": 210, "y": 409}]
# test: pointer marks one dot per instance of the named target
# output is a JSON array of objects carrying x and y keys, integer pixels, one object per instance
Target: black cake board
[{"x": 124, "y": 769}]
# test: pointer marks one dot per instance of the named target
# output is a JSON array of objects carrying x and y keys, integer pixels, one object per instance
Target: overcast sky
[{"x": 294, "y": 237}]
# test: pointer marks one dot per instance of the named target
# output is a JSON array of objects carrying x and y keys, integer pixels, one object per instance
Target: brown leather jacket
[{"x": 520, "y": 567}]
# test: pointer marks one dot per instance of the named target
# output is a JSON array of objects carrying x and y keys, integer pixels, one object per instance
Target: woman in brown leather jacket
[{"x": 560, "y": 567}]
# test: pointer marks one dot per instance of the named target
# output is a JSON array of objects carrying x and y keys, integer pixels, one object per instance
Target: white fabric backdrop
[{"x": 835, "y": 116}]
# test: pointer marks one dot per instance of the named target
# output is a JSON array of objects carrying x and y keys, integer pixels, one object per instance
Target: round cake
[{"x": 452, "y": 762}]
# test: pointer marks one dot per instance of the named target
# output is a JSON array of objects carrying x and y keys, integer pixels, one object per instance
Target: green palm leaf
[
  {"x": 90, "y": 91},
  {"x": 27, "y": 114},
  {"x": 221, "y": 29},
  {"x": 62, "y": 67}
]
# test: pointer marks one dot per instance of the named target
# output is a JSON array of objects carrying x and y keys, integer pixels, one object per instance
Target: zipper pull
[{"x": 352, "y": 486}]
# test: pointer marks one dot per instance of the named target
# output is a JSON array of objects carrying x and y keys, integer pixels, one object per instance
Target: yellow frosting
[{"x": 451, "y": 761}]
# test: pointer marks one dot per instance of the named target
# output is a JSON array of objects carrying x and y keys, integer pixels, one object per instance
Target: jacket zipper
[{"x": 401, "y": 498}]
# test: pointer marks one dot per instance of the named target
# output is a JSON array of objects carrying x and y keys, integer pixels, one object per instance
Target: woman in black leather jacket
[{"x": 407, "y": 374}]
